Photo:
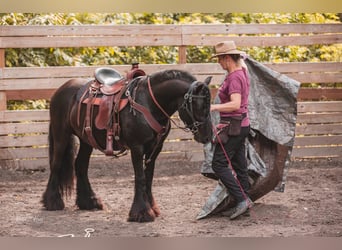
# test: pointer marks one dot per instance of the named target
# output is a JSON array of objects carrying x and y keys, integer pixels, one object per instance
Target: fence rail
[{"x": 23, "y": 134}]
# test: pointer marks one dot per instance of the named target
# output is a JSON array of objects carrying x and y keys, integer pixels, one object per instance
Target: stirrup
[{"x": 122, "y": 152}]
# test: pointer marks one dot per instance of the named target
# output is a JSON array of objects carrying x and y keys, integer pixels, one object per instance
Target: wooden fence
[{"x": 23, "y": 134}]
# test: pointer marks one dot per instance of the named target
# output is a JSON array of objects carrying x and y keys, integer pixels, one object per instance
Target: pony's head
[{"x": 195, "y": 110}]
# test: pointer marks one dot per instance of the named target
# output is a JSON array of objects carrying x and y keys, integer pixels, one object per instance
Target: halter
[{"x": 187, "y": 106}]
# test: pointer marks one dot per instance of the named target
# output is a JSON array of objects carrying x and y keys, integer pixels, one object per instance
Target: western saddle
[{"x": 106, "y": 92}]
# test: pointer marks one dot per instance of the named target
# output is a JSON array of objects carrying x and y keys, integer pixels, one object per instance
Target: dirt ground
[{"x": 310, "y": 206}]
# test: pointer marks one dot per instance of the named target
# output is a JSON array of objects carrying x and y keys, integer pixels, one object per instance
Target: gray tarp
[{"x": 272, "y": 113}]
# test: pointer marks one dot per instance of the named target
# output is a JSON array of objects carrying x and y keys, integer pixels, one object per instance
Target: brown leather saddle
[{"x": 106, "y": 92}]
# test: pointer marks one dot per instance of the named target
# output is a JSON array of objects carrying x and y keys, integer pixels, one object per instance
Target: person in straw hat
[{"x": 229, "y": 161}]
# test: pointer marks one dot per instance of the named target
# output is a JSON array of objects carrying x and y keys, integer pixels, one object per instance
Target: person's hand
[{"x": 213, "y": 107}]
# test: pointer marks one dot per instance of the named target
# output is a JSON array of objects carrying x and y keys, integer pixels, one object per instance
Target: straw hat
[{"x": 226, "y": 47}]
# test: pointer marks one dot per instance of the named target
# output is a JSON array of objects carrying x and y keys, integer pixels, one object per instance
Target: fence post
[
  {"x": 182, "y": 54},
  {"x": 3, "y": 99}
]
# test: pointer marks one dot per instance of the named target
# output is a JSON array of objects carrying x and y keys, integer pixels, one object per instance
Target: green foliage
[
  {"x": 331, "y": 53},
  {"x": 278, "y": 54},
  {"x": 27, "y": 105},
  {"x": 199, "y": 54}
]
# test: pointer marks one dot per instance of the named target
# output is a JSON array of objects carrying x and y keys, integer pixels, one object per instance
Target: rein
[
  {"x": 155, "y": 125},
  {"x": 187, "y": 100},
  {"x": 158, "y": 105}
]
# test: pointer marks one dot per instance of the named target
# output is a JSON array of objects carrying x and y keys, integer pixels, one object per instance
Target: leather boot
[{"x": 241, "y": 208}]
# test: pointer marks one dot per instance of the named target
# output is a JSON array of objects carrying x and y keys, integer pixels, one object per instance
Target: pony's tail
[{"x": 65, "y": 171}]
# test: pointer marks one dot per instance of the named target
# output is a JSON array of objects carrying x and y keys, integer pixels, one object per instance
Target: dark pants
[{"x": 235, "y": 150}]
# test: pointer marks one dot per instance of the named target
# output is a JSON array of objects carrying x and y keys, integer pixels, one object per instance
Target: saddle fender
[{"x": 105, "y": 109}]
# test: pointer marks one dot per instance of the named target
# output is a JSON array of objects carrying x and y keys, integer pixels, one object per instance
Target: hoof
[
  {"x": 53, "y": 202},
  {"x": 147, "y": 216},
  {"x": 90, "y": 204}
]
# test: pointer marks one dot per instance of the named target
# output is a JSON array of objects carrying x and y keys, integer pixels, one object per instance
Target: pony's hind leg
[
  {"x": 61, "y": 169},
  {"x": 86, "y": 198}
]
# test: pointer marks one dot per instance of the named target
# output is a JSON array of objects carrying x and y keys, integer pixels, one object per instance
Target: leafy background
[
  {"x": 158, "y": 55},
  {"x": 124, "y": 55}
]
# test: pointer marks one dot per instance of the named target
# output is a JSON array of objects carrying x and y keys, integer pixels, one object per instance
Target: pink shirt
[{"x": 236, "y": 82}]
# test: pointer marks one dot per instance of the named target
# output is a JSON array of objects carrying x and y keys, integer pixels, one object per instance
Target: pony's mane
[{"x": 173, "y": 74}]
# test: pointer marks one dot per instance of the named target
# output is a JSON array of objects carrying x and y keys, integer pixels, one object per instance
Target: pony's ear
[{"x": 208, "y": 80}]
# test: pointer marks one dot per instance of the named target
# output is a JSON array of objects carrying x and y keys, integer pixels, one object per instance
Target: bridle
[
  {"x": 187, "y": 106},
  {"x": 156, "y": 126}
]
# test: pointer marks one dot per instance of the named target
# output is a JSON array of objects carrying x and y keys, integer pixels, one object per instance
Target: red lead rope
[
  {"x": 229, "y": 163},
  {"x": 160, "y": 108}
]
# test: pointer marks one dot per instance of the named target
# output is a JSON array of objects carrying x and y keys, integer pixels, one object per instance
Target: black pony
[{"x": 139, "y": 121}]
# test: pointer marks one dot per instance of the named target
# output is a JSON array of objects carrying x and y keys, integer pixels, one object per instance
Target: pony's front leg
[
  {"x": 149, "y": 173},
  {"x": 141, "y": 210}
]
